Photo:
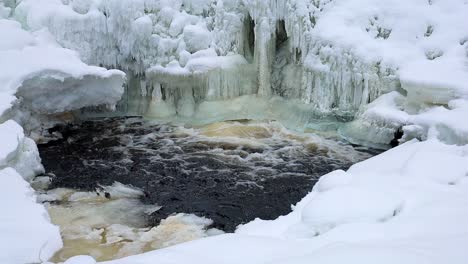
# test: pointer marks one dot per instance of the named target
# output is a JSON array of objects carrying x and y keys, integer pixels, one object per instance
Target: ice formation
[
  {"x": 333, "y": 57},
  {"x": 155, "y": 41}
]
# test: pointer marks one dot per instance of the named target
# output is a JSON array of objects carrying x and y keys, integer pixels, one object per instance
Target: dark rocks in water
[
  {"x": 184, "y": 173},
  {"x": 396, "y": 137}
]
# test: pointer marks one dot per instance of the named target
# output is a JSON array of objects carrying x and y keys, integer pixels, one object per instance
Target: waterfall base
[{"x": 229, "y": 172}]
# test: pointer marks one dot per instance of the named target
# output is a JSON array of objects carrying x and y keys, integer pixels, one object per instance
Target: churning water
[{"x": 124, "y": 186}]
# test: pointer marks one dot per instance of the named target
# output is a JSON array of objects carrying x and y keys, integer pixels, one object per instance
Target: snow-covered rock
[
  {"x": 18, "y": 151},
  {"x": 415, "y": 118}
]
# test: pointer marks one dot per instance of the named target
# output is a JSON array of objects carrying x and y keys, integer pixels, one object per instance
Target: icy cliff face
[
  {"x": 191, "y": 58},
  {"x": 188, "y": 45},
  {"x": 336, "y": 56}
]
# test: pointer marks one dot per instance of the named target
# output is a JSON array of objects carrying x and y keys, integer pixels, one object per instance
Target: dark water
[{"x": 227, "y": 180}]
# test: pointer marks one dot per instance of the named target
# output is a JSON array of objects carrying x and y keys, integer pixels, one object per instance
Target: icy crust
[
  {"x": 48, "y": 78},
  {"x": 115, "y": 214},
  {"x": 180, "y": 52},
  {"x": 407, "y": 205}
]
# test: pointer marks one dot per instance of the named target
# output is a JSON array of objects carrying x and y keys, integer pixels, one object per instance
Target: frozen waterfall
[
  {"x": 188, "y": 52},
  {"x": 183, "y": 55}
]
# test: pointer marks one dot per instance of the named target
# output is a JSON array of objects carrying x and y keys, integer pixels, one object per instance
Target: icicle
[
  {"x": 264, "y": 52},
  {"x": 156, "y": 96},
  {"x": 143, "y": 88}
]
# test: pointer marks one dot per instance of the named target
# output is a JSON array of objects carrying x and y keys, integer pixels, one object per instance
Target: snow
[
  {"x": 27, "y": 234},
  {"x": 18, "y": 151},
  {"x": 414, "y": 116},
  {"x": 11, "y": 134}
]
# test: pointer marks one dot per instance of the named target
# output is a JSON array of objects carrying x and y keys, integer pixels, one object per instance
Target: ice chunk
[{"x": 18, "y": 151}]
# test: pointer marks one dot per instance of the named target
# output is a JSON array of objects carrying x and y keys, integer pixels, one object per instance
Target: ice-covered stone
[{"x": 18, "y": 151}]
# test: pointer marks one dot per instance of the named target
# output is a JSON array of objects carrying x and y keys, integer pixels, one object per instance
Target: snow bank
[{"x": 27, "y": 234}]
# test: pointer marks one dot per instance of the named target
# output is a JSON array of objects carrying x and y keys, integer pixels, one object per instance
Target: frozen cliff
[{"x": 331, "y": 57}]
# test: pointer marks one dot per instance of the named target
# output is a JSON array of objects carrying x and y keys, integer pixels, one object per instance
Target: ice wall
[
  {"x": 192, "y": 43},
  {"x": 334, "y": 56}
]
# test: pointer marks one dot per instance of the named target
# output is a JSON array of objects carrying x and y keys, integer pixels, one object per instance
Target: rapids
[{"x": 122, "y": 186}]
